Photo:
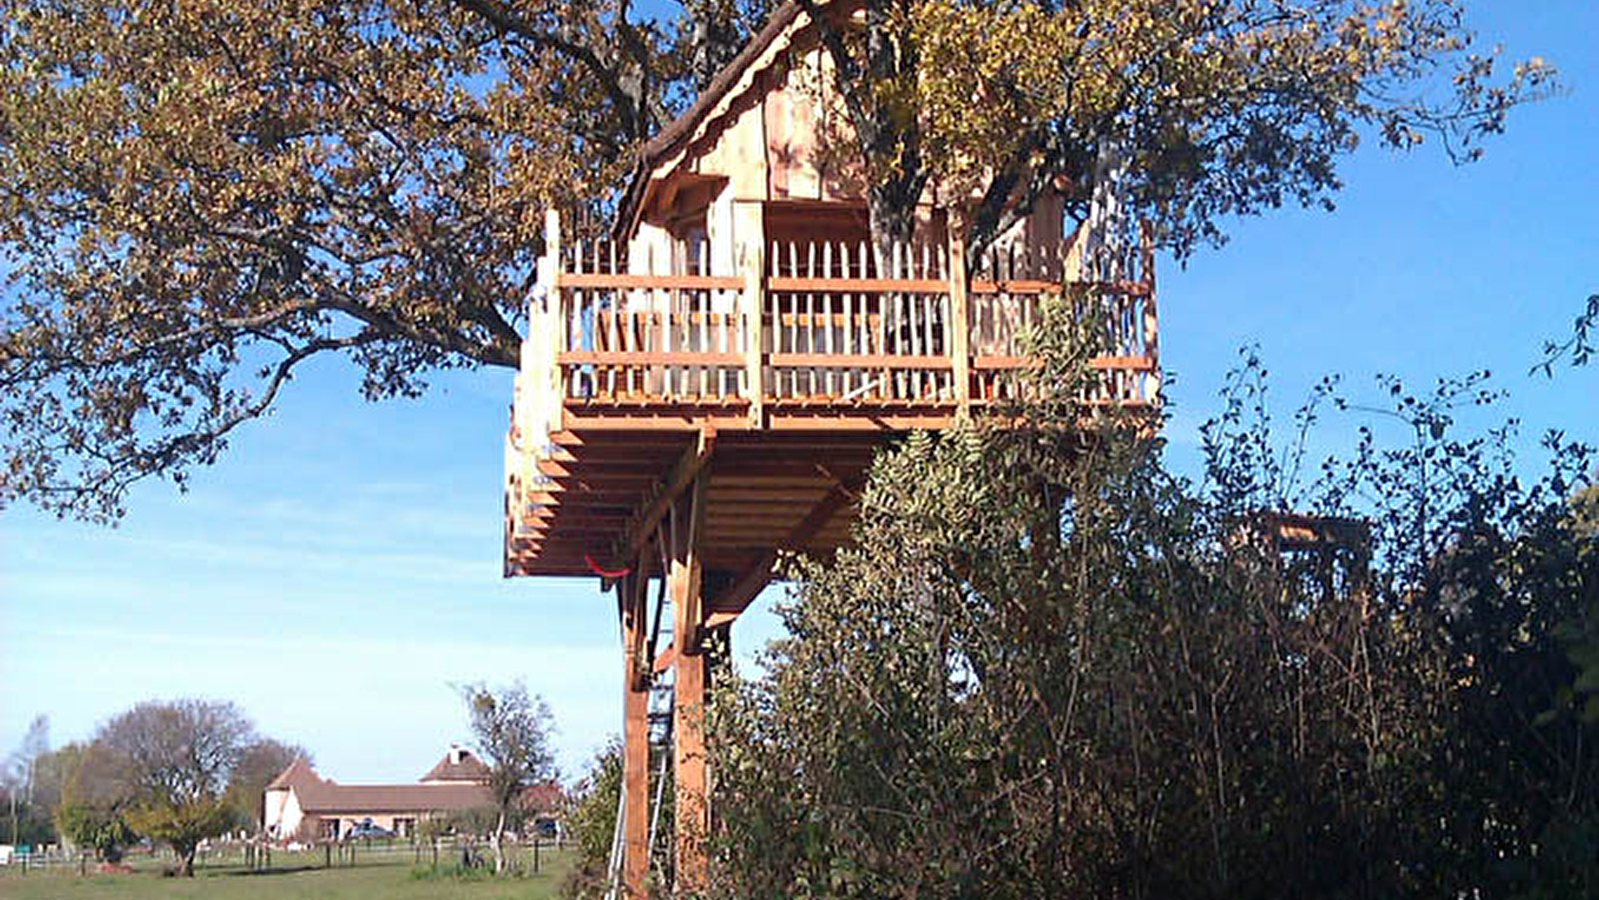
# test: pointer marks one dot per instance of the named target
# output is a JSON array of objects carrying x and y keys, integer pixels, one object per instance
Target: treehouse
[{"x": 706, "y": 387}]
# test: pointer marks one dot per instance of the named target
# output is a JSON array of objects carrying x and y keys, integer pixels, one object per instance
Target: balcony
[{"x": 808, "y": 357}]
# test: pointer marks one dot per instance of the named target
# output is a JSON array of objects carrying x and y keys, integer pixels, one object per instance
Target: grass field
[{"x": 290, "y": 879}]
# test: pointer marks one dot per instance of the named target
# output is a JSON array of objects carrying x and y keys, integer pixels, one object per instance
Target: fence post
[{"x": 960, "y": 333}]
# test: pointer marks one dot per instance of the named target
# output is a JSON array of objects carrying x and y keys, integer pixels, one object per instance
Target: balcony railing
[{"x": 818, "y": 325}]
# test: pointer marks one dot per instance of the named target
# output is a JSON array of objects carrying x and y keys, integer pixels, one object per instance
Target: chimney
[{"x": 456, "y": 752}]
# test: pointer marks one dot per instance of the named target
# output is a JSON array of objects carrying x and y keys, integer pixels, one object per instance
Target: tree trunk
[
  {"x": 187, "y": 855},
  {"x": 494, "y": 841}
]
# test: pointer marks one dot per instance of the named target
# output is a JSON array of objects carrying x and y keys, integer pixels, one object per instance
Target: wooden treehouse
[{"x": 707, "y": 388}]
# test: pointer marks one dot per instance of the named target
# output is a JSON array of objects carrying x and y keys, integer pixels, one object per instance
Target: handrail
[{"x": 885, "y": 329}]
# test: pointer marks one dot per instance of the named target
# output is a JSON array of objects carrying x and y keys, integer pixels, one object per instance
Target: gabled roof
[
  {"x": 299, "y": 774},
  {"x": 458, "y": 765},
  {"x": 785, "y": 20}
]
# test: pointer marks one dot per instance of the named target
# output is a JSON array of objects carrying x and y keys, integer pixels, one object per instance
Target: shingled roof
[{"x": 458, "y": 765}]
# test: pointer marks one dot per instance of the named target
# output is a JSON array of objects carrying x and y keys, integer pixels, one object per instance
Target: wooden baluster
[
  {"x": 918, "y": 314},
  {"x": 669, "y": 340},
  {"x": 703, "y": 299},
  {"x": 885, "y": 388},
  {"x": 777, "y": 320},
  {"x": 575, "y": 326},
  {"x": 827, "y": 318},
  {"x": 793, "y": 312},
  {"x": 613, "y": 340},
  {"x": 810, "y": 319},
  {"x": 847, "y": 374},
  {"x": 927, "y": 325}
]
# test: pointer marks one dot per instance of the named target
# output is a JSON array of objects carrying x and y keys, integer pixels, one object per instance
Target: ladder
[{"x": 661, "y": 706}]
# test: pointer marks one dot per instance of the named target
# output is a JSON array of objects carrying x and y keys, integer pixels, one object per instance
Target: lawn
[{"x": 395, "y": 879}]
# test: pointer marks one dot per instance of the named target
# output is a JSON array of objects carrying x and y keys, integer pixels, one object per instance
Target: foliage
[
  {"x": 258, "y": 765},
  {"x": 512, "y": 732},
  {"x": 1213, "y": 108},
  {"x": 1581, "y": 343},
  {"x": 93, "y": 808},
  {"x": 591, "y": 823},
  {"x": 170, "y": 763},
  {"x": 1049, "y": 667},
  {"x": 198, "y": 197},
  {"x": 1579, "y": 633}
]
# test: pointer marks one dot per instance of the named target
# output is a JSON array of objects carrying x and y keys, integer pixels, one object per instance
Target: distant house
[{"x": 302, "y": 805}]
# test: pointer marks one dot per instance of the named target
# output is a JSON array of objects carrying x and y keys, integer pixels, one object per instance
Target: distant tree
[
  {"x": 27, "y": 822},
  {"x": 172, "y": 763},
  {"x": 512, "y": 731},
  {"x": 258, "y": 764},
  {"x": 92, "y": 812}
]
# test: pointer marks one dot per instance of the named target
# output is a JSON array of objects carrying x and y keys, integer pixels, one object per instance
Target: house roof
[
  {"x": 458, "y": 765},
  {"x": 543, "y": 797},
  {"x": 316, "y": 794},
  {"x": 298, "y": 774},
  {"x": 369, "y": 798},
  {"x": 685, "y": 127}
]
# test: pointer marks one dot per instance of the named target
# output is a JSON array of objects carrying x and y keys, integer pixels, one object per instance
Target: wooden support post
[
  {"x": 636, "y": 736},
  {"x": 960, "y": 332},
  {"x": 688, "y": 727}
]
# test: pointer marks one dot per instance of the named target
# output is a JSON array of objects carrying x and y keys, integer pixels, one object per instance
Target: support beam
[
  {"x": 684, "y": 474},
  {"x": 688, "y": 726},
  {"x": 757, "y": 576},
  {"x": 636, "y": 737}
]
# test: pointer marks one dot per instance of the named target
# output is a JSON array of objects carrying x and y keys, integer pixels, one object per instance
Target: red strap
[{"x": 604, "y": 572}]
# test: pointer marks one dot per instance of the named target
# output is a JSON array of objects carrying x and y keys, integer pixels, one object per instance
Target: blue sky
[{"x": 339, "y": 570}]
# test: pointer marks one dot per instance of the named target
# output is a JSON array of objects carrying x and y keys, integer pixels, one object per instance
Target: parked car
[{"x": 367, "y": 830}]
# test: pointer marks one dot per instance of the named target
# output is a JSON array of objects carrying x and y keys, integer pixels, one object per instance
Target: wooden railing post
[
  {"x": 960, "y": 333},
  {"x": 752, "y": 301}
]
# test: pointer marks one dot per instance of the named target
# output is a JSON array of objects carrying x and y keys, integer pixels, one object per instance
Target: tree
[
  {"x": 171, "y": 763},
  {"x": 93, "y": 806},
  {"x": 258, "y": 764},
  {"x": 1049, "y": 667},
  {"x": 197, "y": 198},
  {"x": 591, "y": 822},
  {"x": 28, "y": 822},
  {"x": 1197, "y": 109},
  {"x": 512, "y": 732}
]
